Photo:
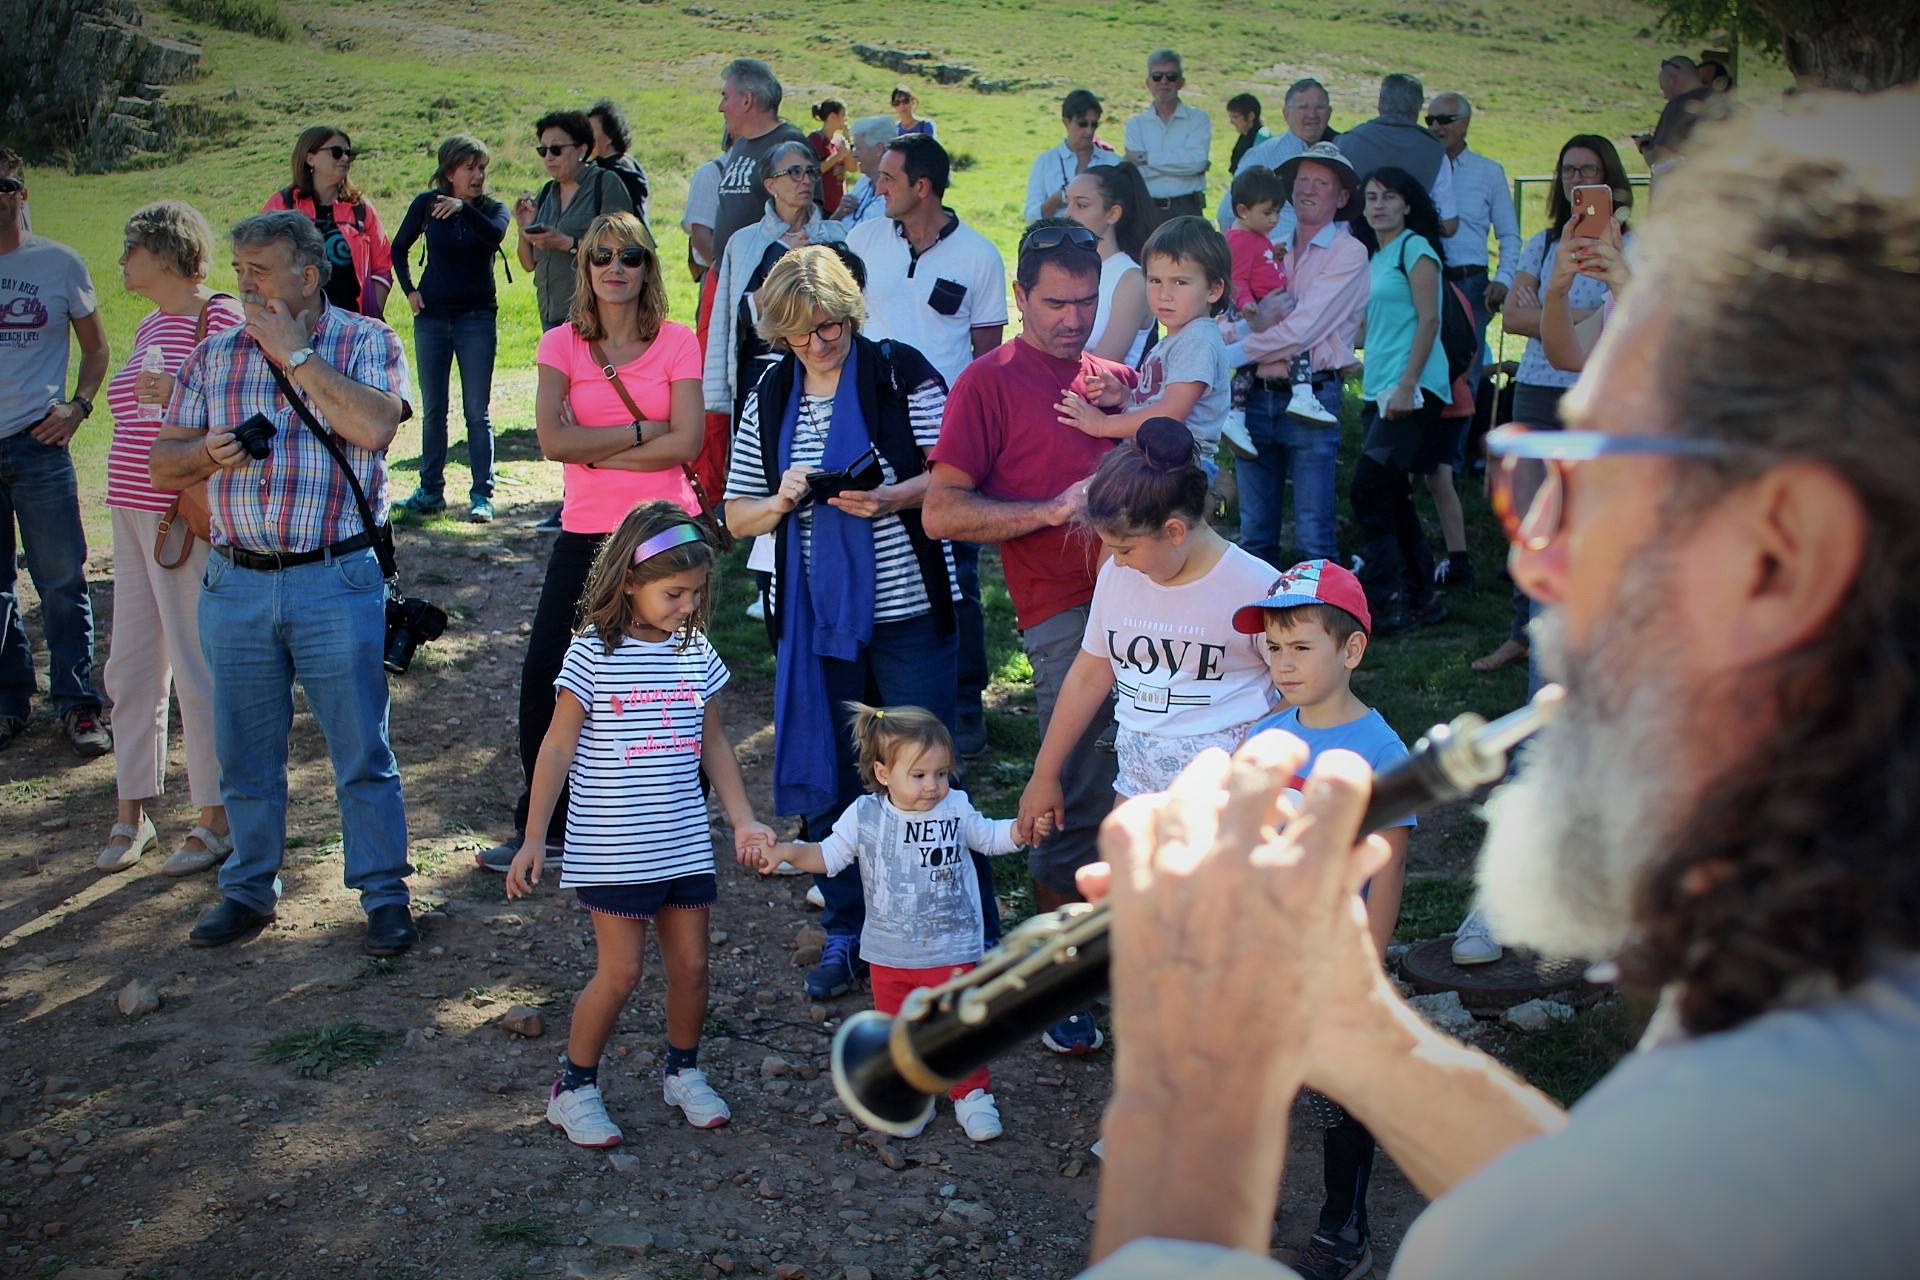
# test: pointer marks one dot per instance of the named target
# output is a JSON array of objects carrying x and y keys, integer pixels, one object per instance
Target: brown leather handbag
[
  {"x": 712, "y": 520},
  {"x": 189, "y": 514}
]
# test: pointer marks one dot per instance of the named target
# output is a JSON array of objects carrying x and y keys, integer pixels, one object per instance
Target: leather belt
[
  {"x": 1171, "y": 201},
  {"x": 1466, "y": 273},
  {"x": 1286, "y": 384},
  {"x": 275, "y": 561}
]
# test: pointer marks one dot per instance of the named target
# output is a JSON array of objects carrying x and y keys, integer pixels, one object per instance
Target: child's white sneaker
[
  {"x": 978, "y": 1116},
  {"x": 816, "y": 899},
  {"x": 1474, "y": 943},
  {"x": 688, "y": 1090},
  {"x": 1304, "y": 404},
  {"x": 581, "y": 1114},
  {"x": 1233, "y": 432}
]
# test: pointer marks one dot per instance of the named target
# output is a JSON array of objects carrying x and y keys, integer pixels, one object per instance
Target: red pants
[{"x": 890, "y": 987}]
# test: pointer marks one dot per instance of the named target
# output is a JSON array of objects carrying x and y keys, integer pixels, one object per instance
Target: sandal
[
  {"x": 139, "y": 839},
  {"x": 185, "y": 861},
  {"x": 1509, "y": 652}
]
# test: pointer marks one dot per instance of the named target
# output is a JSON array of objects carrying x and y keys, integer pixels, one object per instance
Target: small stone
[
  {"x": 583, "y": 1207},
  {"x": 1536, "y": 1015},
  {"x": 624, "y": 1236},
  {"x": 81, "y": 1137},
  {"x": 718, "y": 937},
  {"x": 772, "y": 1067},
  {"x": 1445, "y": 1012},
  {"x": 624, "y": 1162},
  {"x": 48, "y": 1230},
  {"x": 779, "y": 1088},
  {"x": 723, "y": 1263},
  {"x": 891, "y": 1158},
  {"x": 18, "y": 1147},
  {"x": 59, "y": 823},
  {"x": 810, "y": 936},
  {"x": 524, "y": 1021},
  {"x": 1073, "y": 1169},
  {"x": 857, "y": 1273},
  {"x": 771, "y": 1188},
  {"x": 845, "y": 1183},
  {"x": 57, "y": 1085},
  {"x": 805, "y": 957},
  {"x": 789, "y": 1271},
  {"x": 77, "y": 1165},
  {"x": 818, "y": 1013}
]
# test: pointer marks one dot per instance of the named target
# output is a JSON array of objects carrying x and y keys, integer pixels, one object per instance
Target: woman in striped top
[{"x": 156, "y": 633}]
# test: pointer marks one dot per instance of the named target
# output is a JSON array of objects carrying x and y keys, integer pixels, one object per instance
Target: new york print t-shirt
[
  {"x": 635, "y": 814},
  {"x": 1179, "y": 667},
  {"x": 923, "y": 898}
]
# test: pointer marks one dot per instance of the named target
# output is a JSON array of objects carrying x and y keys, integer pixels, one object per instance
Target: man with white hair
[
  {"x": 1308, "y": 112},
  {"x": 863, "y": 201},
  {"x": 1169, "y": 143},
  {"x": 1726, "y": 542}
]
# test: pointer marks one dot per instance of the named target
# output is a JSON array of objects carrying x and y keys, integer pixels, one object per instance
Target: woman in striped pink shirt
[{"x": 156, "y": 635}]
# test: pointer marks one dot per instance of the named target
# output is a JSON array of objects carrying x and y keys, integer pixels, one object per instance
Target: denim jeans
[
  {"x": 322, "y": 624},
  {"x": 38, "y": 490},
  {"x": 1289, "y": 449},
  {"x": 907, "y": 663},
  {"x": 439, "y": 339},
  {"x": 971, "y": 622}
]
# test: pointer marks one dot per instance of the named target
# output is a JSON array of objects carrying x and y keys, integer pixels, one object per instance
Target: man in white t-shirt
[{"x": 939, "y": 286}]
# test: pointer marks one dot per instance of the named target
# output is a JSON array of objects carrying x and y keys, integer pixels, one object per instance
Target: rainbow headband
[{"x": 666, "y": 540}]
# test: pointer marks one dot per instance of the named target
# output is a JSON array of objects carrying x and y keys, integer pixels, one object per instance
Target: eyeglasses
[
  {"x": 345, "y": 155},
  {"x": 1533, "y": 466},
  {"x": 904, "y": 102},
  {"x": 631, "y": 255},
  {"x": 1044, "y": 238},
  {"x": 561, "y": 149},
  {"x": 1442, "y": 119},
  {"x": 11, "y": 186},
  {"x": 829, "y": 331},
  {"x": 1086, "y": 124},
  {"x": 1582, "y": 170},
  {"x": 797, "y": 172},
  {"x": 1163, "y": 77}
]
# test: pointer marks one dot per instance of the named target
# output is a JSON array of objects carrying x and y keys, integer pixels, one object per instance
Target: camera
[
  {"x": 411, "y": 622},
  {"x": 255, "y": 435}
]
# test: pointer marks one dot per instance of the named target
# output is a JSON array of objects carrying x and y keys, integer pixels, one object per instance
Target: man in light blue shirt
[
  {"x": 1307, "y": 109},
  {"x": 1485, "y": 203}
]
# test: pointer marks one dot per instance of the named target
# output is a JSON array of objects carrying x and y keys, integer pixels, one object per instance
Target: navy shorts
[{"x": 644, "y": 901}]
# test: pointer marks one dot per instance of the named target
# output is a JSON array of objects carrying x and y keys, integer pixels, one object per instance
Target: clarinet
[{"x": 888, "y": 1070}]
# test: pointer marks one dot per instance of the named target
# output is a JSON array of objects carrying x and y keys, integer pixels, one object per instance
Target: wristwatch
[
  {"x": 299, "y": 358},
  {"x": 86, "y": 405}
]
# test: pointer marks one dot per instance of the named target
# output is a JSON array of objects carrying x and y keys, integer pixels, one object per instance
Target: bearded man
[{"x": 1726, "y": 542}]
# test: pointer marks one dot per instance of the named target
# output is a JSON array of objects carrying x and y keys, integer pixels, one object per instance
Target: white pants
[{"x": 156, "y": 643}]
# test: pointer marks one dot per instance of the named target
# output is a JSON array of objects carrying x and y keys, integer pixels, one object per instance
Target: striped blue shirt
[{"x": 1485, "y": 202}]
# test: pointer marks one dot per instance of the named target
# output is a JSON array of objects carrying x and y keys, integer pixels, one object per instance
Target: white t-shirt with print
[
  {"x": 635, "y": 814},
  {"x": 923, "y": 898},
  {"x": 1179, "y": 667}
]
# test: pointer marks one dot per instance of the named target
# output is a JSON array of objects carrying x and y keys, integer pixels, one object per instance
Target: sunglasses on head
[
  {"x": 631, "y": 255},
  {"x": 543, "y": 151},
  {"x": 1163, "y": 77},
  {"x": 346, "y": 154},
  {"x": 807, "y": 171},
  {"x": 10, "y": 186},
  {"x": 1443, "y": 119},
  {"x": 1053, "y": 237}
]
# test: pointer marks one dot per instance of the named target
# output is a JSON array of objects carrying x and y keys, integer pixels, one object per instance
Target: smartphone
[
  {"x": 536, "y": 228},
  {"x": 1592, "y": 211}
]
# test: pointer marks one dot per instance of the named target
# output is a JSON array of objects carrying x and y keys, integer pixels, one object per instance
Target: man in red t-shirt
[{"x": 997, "y": 475}]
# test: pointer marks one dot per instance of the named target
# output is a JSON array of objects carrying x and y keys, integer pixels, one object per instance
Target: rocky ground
[{"x": 291, "y": 1108}]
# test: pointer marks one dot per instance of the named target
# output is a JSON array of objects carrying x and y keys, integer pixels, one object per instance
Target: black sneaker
[
  {"x": 11, "y": 727},
  {"x": 1331, "y": 1256},
  {"x": 499, "y": 859},
  {"x": 88, "y": 731},
  {"x": 1424, "y": 615}
]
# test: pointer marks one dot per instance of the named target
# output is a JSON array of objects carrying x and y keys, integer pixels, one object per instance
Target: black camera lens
[
  {"x": 255, "y": 435},
  {"x": 411, "y": 622}
]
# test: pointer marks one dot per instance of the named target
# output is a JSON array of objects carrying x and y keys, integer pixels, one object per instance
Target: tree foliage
[{"x": 1862, "y": 45}]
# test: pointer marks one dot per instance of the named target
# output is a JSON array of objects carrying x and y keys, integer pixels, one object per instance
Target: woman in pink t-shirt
[
  {"x": 156, "y": 632},
  {"x": 615, "y": 458}
]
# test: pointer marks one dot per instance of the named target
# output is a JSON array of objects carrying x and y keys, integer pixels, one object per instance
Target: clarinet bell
[{"x": 869, "y": 1082}]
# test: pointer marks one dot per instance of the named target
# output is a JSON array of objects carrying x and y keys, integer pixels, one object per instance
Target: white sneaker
[
  {"x": 1304, "y": 404},
  {"x": 689, "y": 1091},
  {"x": 787, "y": 869},
  {"x": 139, "y": 840},
  {"x": 758, "y": 609},
  {"x": 581, "y": 1114},
  {"x": 816, "y": 899},
  {"x": 1100, "y": 1149},
  {"x": 1474, "y": 943},
  {"x": 920, "y": 1128},
  {"x": 1233, "y": 432},
  {"x": 978, "y": 1116}
]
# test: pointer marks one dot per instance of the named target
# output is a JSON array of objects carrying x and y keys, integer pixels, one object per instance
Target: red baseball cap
[{"x": 1309, "y": 582}]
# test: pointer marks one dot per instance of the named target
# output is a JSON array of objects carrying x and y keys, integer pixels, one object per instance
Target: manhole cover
[{"x": 1515, "y": 978}]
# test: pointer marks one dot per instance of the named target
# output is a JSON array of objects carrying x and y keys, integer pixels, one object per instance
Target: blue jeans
[
  {"x": 37, "y": 489},
  {"x": 1289, "y": 449},
  {"x": 321, "y": 624},
  {"x": 907, "y": 663},
  {"x": 438, "y": 339}
]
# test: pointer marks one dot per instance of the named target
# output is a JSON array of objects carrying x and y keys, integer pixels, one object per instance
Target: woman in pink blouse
[
  {"x": 615, "y": 459},
  {"x": 156, "y": 634}
]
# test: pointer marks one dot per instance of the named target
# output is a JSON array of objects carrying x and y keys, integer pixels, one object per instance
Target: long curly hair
[{"x": 1797, "y": 866}]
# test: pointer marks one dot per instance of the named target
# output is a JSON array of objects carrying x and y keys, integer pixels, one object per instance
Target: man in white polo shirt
[
  {"x": 1169, "y": 143},
  {"x": 939, "y": 286}
]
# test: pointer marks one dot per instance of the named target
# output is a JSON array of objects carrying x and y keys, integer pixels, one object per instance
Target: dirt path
[{"x": 167, "y": 1147}]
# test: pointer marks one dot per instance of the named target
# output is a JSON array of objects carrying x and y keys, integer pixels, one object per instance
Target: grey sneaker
[{"x": 499, "y": 859}]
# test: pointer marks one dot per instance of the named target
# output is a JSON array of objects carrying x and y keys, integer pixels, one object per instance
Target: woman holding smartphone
[{"x": 552, "y": 223}]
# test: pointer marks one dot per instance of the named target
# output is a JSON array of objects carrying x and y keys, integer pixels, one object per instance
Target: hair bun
[{"x": 1165, "y": 443}]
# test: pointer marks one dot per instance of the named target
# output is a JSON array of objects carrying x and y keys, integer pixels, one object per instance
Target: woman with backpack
[
  {"x": 357, "y": 247},
  {"x": 1405, "y": 387},
  {"x": 552, "y": 222}
]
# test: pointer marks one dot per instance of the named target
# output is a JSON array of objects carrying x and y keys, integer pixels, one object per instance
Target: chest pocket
[{"x": 947, "y": 297}]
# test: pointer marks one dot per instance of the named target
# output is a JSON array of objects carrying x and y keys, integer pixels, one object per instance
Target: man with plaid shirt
[{"x": 293, "y": 589}]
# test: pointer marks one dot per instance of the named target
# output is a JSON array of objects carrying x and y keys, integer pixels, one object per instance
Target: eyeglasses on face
[
  {"x": 795, "y": 173},
  {"x": 1532, "y": 466},
  {"x": 543, "y": 151},
  {"x": 828, "y": 331},
  {"x": 1445, "y": 118},
  {"x": 1163, "y": 77},
  {"x": 1093, "y": 123},
  {"x": 345, "y": 155},
  {"x": 631, "y": 255},
  {"x": 1053, "y": 237},
  {"x": 1582, "y": 170}
]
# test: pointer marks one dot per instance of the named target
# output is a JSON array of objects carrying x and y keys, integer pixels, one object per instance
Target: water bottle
[{"x": 155, "y": 361}]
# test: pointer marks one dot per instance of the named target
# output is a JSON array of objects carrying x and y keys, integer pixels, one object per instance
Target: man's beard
[{"x": 1598, "y": 792}]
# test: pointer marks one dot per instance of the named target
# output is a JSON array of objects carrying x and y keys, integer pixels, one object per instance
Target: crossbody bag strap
[
  {"x": 380, "y": 534},
  {"x": 200, "y": 325},
  {"x": 716, "y": 519}
]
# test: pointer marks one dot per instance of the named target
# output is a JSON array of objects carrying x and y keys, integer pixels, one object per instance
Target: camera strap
[{"x": 381, "y": 535}]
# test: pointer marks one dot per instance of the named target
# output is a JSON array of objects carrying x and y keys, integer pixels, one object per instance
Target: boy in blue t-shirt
[{"x": 1316, "y": 624}]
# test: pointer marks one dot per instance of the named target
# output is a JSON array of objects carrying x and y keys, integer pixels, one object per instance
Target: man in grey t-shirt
[
  {"x": 750, "y": 104},
  {"x": 44, "y": 291}
]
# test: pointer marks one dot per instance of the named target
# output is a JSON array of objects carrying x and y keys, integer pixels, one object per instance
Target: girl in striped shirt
[{"x": 636, "y": 723}]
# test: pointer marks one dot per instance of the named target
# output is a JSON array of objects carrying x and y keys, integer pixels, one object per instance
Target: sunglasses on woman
[
  {"x": 558, "y": 150},
  {"x": 797, "y": 172},
  {"x": 345, "y": 155},
  {"x": 1531, "y": 468},
  {"x": 630, "y": 255}
]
